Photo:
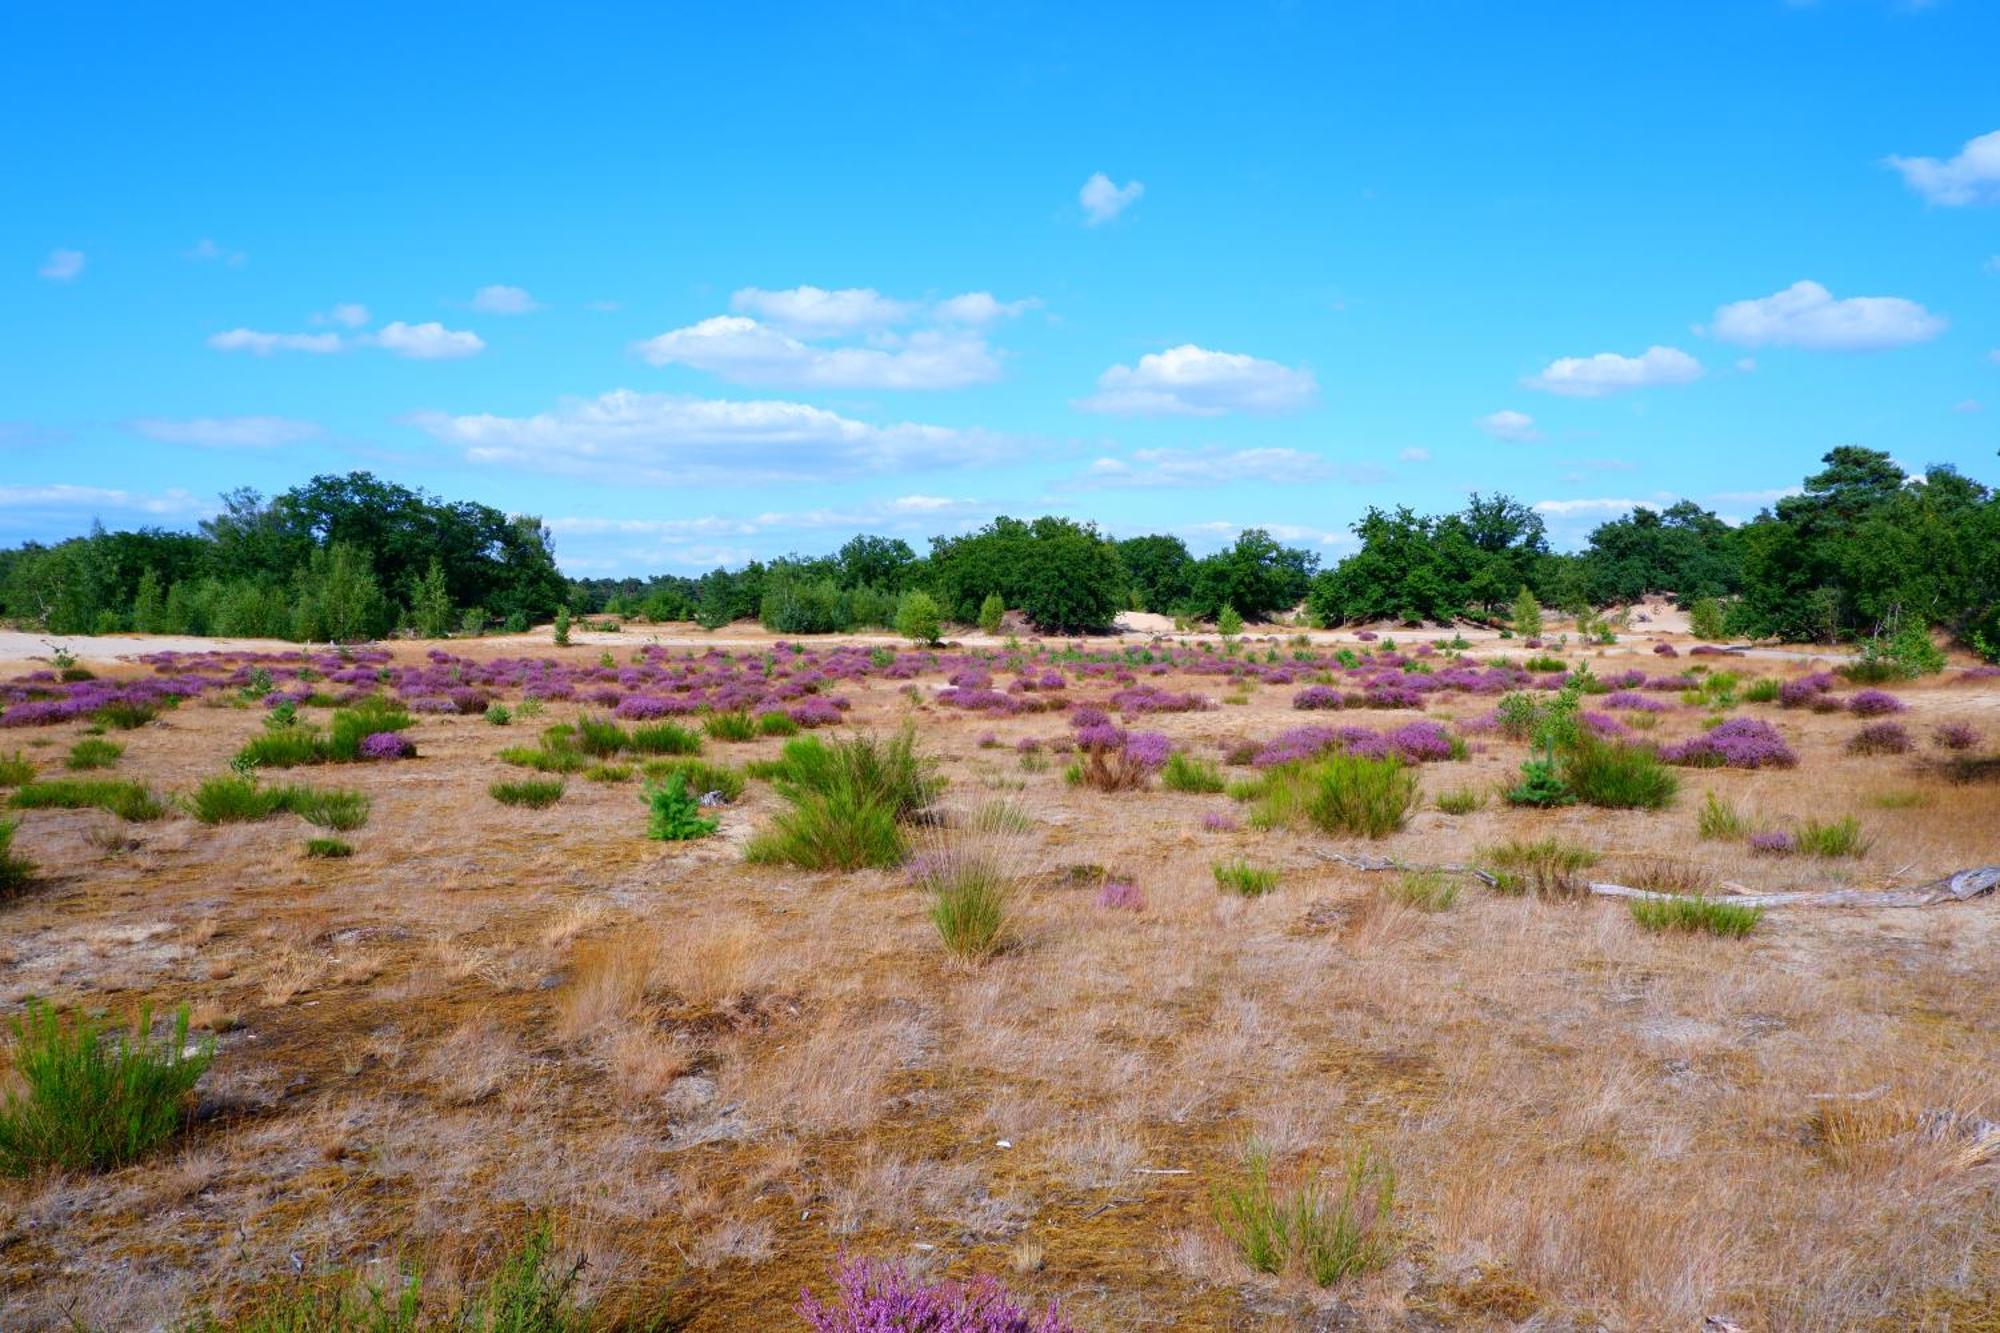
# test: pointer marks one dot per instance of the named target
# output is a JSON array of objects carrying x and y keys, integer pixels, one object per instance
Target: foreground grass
[
  {"x": 1325, "y": 1239},
  {"x": 846, "y": 800},
  {"x": 130, "y": 801},
  {"x": 1696, "y": 915}
]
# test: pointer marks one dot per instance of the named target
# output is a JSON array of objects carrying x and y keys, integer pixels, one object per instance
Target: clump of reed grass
[
  {"x": 1245, "y": 880},
  {"x": 130, "y": 801},
  {"x": 1547, "y": 867},
  {"x": 1326, "y": 1239},
  {"x": 532, "y": 793},
  {"x": 1425, "y": 890},
  {"x": 1695, "y": 914},
  {"x": 92, "y": 752}
]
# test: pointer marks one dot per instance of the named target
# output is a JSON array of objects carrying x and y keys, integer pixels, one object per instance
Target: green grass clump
[
  {"x": 548, "y": 757},
  {"x": 664, "y": 738},
  {"x": 534, "y": 793},
  {"x": 292, "y": 747},
  {"x": 126, "y": 716},
  {"x": 776, "y": 724},
  {"x": 1692, "y": 913},
  {"x": 341, "y": 811},
  {"x": 1719, "y": 821},
  {"x": 846, "y": 801},
  {"x": 1618, "y": 777},
  {"x": 1184, "y": 772},
  {"x": 1326, "y": 1239},
  {"x": 609, "y": 773},
  {"x": 350, "y": 725},
  {"x": 1461, "y": 801},
  {"x": 16, "y": 872},
  {"x": 674, "y": 813},
  {"x": 969, "y": 908},
  {"x": 1425, "y": 890},
  {"x": 1000, "y": 816},
  {"x": 16, "y": 769},
  {"x": 231, "y": 799},
  {"x": 92, "y": 752},
  {"x": 730, "y": 727},
  {"x": 1832, "y": 838},
  {"x": 1763, "y": 690},
  {"x": 128, "y": 800},
  {"x": 1545, "y": 866},
  {"x": 1352, "y": 794},
  {"x": 92, "y": 1104},
  {"x": 1244, "y": 879},
  {"x": 599, "y": 737},
  {"x": 702, "y": 777},
  {"x": 498, "y": 715},
  {"x": 328, "y": 849}
]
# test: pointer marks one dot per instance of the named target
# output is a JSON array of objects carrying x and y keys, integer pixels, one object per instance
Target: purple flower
[
  {"x": 1956, "y": 736},
  {"x": 1666, "y": 650},
  {"x": 1122, "y": 895},
  {"x": 1880, "y": 738},
  {"x": 876, "y": 1297},
  {"x": 1772, "y": 844},
  {"x": 1217, "y": 822},
  {"x": 1875, "y": 703},
  {"x": 1802, "y": 690},
  {"x": 1420, "y": 741},
  {"x": 1638, "y": 702},
  {"x": 1740, "y": 742},
  {"x": 1100, "y": 736},
  {"x": 386, "y": 745},
  {"x": 1148, "y": 749}
]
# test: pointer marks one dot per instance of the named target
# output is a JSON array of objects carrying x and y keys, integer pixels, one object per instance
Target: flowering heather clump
[
  {"x": 1420, "y": 742},
  {"x": 1880, "y": 738},
  {"x": 1152, "y": 699},
  {"x": 1666, "y": 650},
  {"x": 1772, "y": 844},
  {"x": 1875, "y": 703},
  {"x": 877, "y": 1297},
  {"x": 1366, "y": 636},
  {"x": 1632, "y": 700},
  {"x": 385, "y": 745},
  {"x": 650, "y": 707},
  {"x": 1148, "y": 749},
  {"x": 1217, "y": 822},
  {"x": 1317, "y": 696},
  {"x": 1802, "y": 690},
  {"x": 1955, "y": 736},
  {"x": 1393, "y": 696},
  {"x": 1028, "y": 745},
  {"x": 1980, "y": 673},
  {"x": 1598, "y": 724},
  {"x": 1122, "y": 895},
  {"x": 1087, "y": 715},
  {"x": 814, "y": 712},
  {"x": 1099, "y": 736},
  {"x": 1740, "y": 742}
]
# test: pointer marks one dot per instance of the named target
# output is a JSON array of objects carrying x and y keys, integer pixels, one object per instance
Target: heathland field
[{"x": 1181, "y": 982}]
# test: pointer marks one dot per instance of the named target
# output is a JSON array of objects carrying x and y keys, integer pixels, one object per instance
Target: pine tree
[
  {"x": 1527, "y": 615},
  {"x": 992, "y": 612}
]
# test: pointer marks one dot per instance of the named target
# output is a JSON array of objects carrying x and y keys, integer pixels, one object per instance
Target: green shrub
[
  {"x": 1357, "y": 795},
  {"x": 16, "y": 872},
  {"x": 663, "y": 738},
  {"x": 555, "y": 754},
  {"x": 328, "y": 849},
  {"x": 1708, "y": 619},
  {"x": 1691, "y": 913},
  {"x": 1546, "y": 866},
  {"x": 992, "y": 613},
  {"x": 126, "y": 716},
  {"x": 534, "y": 793},
  {"x": 128, "y": 800},
  {"x": 841, "y": 829},
  {"x": 92, "y": 1104},
  {"x": 1244, "y": 879},
  {"x": 888, "y": 770},
  {"x": 1228, "y": 622},
  {"x": 498, "y": 715},
  {"x": 349, "y": 726},
  {"x": 1425, "y": 890},
  {"x": 1541, "y": 785},
  {"x": 701, "y": 776},
  {"x": 918, "y": 617},
  {"x": 341, "y": 811},
  {"x": 290, "y": 748},
  {"x": 92, "y": 753},
  {"x": 730, "y": 727},
  {"x": 1618, "y": 777},
  {"x": 1327, "y": 1240},
  {"x": 673, "y": 815},
  {"x": 1719, "y": 821},
  {"x": 16, "y": 769},
  {"x": 608, "y": 773},
  {"x": 1184, "y": 772},
  {"x": 1763, "y": 690},
  {"x": 1462, "y": 801},
  {"x": 1832, "y": 838}
]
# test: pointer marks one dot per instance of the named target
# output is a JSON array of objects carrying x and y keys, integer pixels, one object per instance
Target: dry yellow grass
[{"x": 716, "y": 1075}]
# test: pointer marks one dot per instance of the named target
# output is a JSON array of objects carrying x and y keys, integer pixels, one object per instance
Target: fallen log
[{"x": 1963, "y": 886}]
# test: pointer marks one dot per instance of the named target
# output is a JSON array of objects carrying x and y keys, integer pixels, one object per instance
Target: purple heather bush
[
  {"x": 875, "y": 1297},
  {"x": 1217, "y": 822},
  {"x": 1740, "y": 742},
  {"x": 1880, "y": 738},
  {"x": 1148, "y": 749},
  {"x": 1420, "y": 742},
  {"x": 1875, "y": 703},
  {"x": 1121, "y": 895},
  {"x": 1666, "y": 650},
  {"x": 1599, "y": 724},
  {"x": 1803, "y": 690},
  {"x": 1631, "y": 699},
  {"x": 1316, "y": 697},
  {"x": 1776, "y": 843},
  {"x": 1955, "y": 736},
  {"x": 386, "y": 745}
]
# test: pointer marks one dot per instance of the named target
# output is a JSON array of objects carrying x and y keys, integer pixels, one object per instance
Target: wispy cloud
[
  {"x": 227, "y": 432},
  {"x": 500, "y": 299},
  {"x": 1194, "y": 381},
  {"x": 1103, "y": 201},
  {"x": 1972, "y": 176},
  {"x": 1508, "y": 424},
  {"x": 1210, "y": 467},
  {"x": 206, "y": 251},
  {"x": 1609, "y": 373},
  {"x": 62, "y": 266},
  {"x": 70, "y": 499}
]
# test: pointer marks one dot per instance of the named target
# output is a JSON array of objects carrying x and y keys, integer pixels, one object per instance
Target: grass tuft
[
  {"x": 1693, "y": 914},
  {"x": 328, "y": 849},
  {"x": 1618, "y": 777},
  {"x": 534, "y": 793},
  {"x": 1370, "y": 798},
  {"x": 1186, "y": 772},
  {"x": 1244, "y": 879},
  {"x": 128, "y": 800},
  {"x": 92, "y": 752},
  {"x": 1719, "y": 821},
  {"x": 1327, "y": 1240},
  {"x": 16, "y": 769},
  {"x": 1832, "y": 838},
  {"x": 1462, "y": 801},
  {"x": 730, "y": 727},
  {"x": 1547, "y": 867},
  {"x": 1425, "y": 890},
  {"x": 16, "y": 872},
  {"x": 664, "y": 738}
]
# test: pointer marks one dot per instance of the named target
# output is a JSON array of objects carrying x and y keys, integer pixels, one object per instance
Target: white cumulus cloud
[
  {"x": 815, "y": 312},
  {"x": 1609, "y": 372},
  {"x": 1507, "y": 424},
  {"x": 259, "y": 343},
  {"x": 1103, "y": 201},
  {"x": 227, "y": 432},
  {"x": 741, "y": 350},
  {"x": 430, "y": 341},
  {"x": 62, "y": 265},
  {"x": 1193, "y": 381},
  {"x": 1971, "y": 177},
  {"x": 657, "y": 439},
  {"x": 500, "y": 299},
  {"x": 981, "y": 308},
  {"x": 1806, "y": 314}
]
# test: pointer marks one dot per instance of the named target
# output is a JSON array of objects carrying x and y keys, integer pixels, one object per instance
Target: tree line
[{"x": 1862, "y": 551}]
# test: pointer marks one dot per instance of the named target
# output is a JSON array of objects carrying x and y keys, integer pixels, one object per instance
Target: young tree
[
  {"x": 149, "y": 609},
  {"x": 562, "y": 627},
  {"x": 1527, "y": 615},
  {"x": 1706, "y": 619},
  {"x": 1228, "y": 623},
  {"x": 917, "y": 618},
  {"x": 992, "y": 612},
  {"x": 430, "y": 603}
]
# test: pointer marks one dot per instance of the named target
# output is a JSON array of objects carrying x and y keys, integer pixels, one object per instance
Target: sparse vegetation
[
  {"x": 16, "y": 871},
  {"x": 1546, "y": 867},
  {"x": 532, "y": 793},
  {"x": 92, "y": 752},
  {"x": 1186, "y": 772},
  {"x": 130, "y": 801},
  {"x": 1460, "y": 800},
  {"x": 1353, "y": 794},
  {"x": 327, "y": 849},
  {"x": 1320, "y": 1238},
  {"x": 673, "y": 814},
  {"x": 1831, "y": 838},
  {"x": 1425, "y": 890},
  {"x": 1693, "y": 913},
  {"x": 1245, "y": 880}
]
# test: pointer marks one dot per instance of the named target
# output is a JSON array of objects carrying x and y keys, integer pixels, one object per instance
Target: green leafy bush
[
  {"x": 992, "y": 613},
  {"x": 92, "y": 1104},
  {"x": 534, "y": 793},
  {"x": 918, "y": 617},
  {"x": 673, "y": 815},
  {"x": 128, "y": 800},
  {"x": 497, "y": 714},
  {"x": 1618, "y": 777}
]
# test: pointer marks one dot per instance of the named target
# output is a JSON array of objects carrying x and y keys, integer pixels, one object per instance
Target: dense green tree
[
  {"x": 1683, "y": 549},
  {"x": 1161, "y": 572},
  {"x": 1256, "y": 575}
]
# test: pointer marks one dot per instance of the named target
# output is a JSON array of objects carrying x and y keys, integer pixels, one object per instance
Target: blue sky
[{"x": 695, "y": 287}]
